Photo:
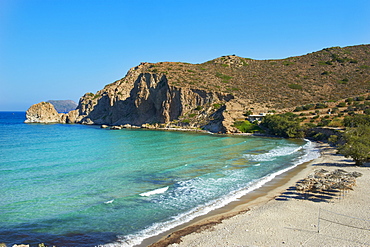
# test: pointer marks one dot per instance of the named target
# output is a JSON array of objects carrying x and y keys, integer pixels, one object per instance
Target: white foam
[
  {"x": 157, "y": 228},
  {"x": 272, "y": 154},
  {"x": 109, "y": 202},
  {"x": 156, "y": 191}
]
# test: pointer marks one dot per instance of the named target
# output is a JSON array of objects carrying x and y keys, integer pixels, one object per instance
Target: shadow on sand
[{"x": 319, "y": 196}]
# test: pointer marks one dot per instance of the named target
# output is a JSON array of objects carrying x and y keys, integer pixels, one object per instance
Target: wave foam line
[
  {"x": 158, "y": 228},
  {"x": 272, "y": 154},
  {"x": 156, "y": 191}
]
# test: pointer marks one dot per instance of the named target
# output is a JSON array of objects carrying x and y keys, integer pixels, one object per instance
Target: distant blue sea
[{"x": 79, "y": 185}]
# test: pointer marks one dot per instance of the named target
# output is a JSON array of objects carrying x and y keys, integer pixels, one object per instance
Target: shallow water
[{"x": 78, "y": 185}]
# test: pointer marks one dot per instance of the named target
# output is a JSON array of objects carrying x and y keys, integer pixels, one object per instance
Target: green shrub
[
  {"x": 224, "y": 78},
  {"x": 298, "y": 108},
  {"x": 324, "y": 122},
  {"x": 309, "y": 107},
  {"x": 321, "y": 106},
  {"x": 310, "y": 125},
  {"x": 217, "y": 106},
  {"x": 287, "y": 63},
  {"x": 247, "y": 127},
  {"x": 319, "y": 136},
  {"x": 357, "y": 144},
  {"x": 343, "y": 81},
  {"x": 336, "y": 123},
  {"x": 285, "y": 125},
  {"x": 356, "y": 120},
  {"x": 295, "y": 86},
  {"x": 333, "y": 139},
  {"x": 244, "y": 63}
]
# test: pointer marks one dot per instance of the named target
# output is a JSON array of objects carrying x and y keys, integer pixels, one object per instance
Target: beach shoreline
[{"x": 213, "y": 229}]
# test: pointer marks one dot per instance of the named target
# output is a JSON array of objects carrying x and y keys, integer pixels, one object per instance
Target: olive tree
[{"x": 357, "y": 144}]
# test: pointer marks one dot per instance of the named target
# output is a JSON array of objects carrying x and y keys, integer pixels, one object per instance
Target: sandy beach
[{"x": 286, "y": 217}]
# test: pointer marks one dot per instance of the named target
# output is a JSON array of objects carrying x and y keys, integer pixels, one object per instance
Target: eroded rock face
[
  {"x": 150, "y": 99},
  {"x": 43, "y": 112}
]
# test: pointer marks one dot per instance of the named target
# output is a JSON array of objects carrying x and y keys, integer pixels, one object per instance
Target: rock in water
[{"x": 43, "y": 112}]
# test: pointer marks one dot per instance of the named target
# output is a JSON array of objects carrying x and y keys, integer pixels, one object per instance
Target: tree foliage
[
  {"x": 356, "y": 120},
  {"x": 357, "y": 144},
  {"x": 247, "y": 127},
  {"x": 285, "y": 125}
]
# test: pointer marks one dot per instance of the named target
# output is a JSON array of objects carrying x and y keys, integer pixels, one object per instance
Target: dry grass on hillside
[{"x": 330, "y": 74}]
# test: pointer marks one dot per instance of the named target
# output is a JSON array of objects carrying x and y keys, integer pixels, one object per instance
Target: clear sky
[{"x": 61, "y": 49}]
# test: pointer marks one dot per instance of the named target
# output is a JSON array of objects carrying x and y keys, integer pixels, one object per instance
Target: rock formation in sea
[
  {"x": 44, "y": 112},
  {"x": 215, "y": 94}
]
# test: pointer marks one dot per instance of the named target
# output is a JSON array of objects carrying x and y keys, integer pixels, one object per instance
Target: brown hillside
[{"x": 330, "y": 74}]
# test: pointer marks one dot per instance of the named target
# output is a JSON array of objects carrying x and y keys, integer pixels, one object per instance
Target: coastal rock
[
  {"x": 150, "y": 99},
  {"x": 43, "y": 112}
]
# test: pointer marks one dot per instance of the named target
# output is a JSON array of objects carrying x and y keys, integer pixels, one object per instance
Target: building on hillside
[{"x": 252, "y": 118}]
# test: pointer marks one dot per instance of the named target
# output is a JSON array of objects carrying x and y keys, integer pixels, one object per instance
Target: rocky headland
[{"x": 213, "y": 95}]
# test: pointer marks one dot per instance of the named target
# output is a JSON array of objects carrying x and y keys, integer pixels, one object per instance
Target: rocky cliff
[
  {"x": 214, "y": 94},
  {"x": 143, "y": 97}
]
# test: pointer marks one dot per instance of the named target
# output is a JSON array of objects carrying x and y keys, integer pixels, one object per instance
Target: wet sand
[{"x": 278, "y": 215}]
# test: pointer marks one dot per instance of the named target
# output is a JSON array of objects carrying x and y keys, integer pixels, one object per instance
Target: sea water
[{"x": 79, "y": 185}]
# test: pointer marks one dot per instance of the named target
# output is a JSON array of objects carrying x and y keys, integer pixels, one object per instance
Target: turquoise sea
[{"x": 79, "y": 185}]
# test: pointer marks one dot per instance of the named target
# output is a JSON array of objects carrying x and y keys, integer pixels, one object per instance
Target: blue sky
[{"x": 61, "y": 49}]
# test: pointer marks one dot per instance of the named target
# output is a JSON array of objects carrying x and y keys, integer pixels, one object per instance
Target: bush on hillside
[
  {"x": 247, "y": 127},
  {"x": 285, "y": 125},
  {"x": 356, "y": 120}
]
